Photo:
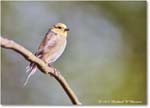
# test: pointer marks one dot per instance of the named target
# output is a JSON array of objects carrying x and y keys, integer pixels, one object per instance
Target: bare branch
[{"x": 9, "y": 44}]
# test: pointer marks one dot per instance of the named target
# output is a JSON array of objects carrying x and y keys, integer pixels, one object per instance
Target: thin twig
[{"x": 9, "y": 44}]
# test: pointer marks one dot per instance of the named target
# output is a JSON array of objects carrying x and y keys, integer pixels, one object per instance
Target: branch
[{"x": 9, "y": 44}]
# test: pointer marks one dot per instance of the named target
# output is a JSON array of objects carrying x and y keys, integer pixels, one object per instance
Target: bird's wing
[{"x": 48, "y": 42}]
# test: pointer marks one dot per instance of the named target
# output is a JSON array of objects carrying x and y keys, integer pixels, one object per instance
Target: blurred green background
[{"x": 104, "y": 62}]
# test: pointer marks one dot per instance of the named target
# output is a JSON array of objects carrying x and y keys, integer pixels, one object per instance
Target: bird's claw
[{"x": 57, "y": 73}]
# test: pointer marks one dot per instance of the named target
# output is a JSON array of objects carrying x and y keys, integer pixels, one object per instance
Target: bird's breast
[{"x": 58, "y": 53}]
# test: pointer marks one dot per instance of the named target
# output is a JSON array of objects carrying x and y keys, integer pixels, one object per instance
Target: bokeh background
[{"x": 104, "y": 62}]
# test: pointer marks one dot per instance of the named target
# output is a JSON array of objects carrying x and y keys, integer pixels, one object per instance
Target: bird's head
[{"x": 60, "y": 28}]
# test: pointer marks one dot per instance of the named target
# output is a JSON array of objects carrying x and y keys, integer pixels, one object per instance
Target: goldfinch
[{"x": 51, "y": 48}]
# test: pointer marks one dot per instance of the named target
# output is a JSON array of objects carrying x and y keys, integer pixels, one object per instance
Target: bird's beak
[{"x": 67, "y": 29}]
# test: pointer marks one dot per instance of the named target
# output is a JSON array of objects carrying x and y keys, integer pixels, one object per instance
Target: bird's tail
[{"x": 31, "y": 69}]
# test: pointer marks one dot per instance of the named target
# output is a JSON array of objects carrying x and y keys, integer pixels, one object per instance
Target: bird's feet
[
  {"x": 54, "y": 70},
  {"x": 57, "y": 73}
]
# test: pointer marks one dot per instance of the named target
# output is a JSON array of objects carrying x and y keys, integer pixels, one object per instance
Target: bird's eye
[{"x": 59, "y": 27}]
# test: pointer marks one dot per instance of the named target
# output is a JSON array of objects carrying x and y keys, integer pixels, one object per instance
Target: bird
[{"x": 51, "y": 47}]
